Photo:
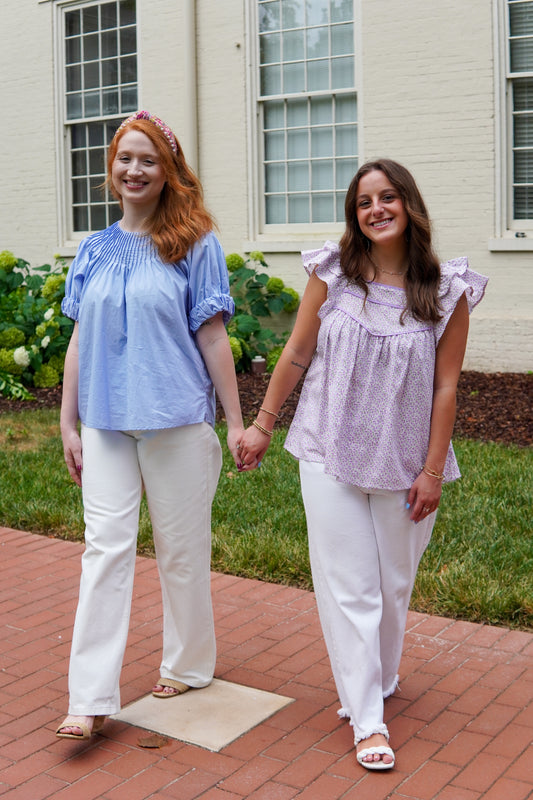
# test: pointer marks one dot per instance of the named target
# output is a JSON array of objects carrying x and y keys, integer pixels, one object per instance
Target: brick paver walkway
[{"x": 461, "y": 725}]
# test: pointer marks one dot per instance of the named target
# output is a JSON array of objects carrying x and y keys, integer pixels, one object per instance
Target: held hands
[
  {"x": 252, "y": 447},
  {"x": 73, "y": 454},
  {"x": 424, "y": 496}
]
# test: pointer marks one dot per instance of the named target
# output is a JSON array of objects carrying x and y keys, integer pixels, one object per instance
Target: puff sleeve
[
  {"x": 458, "y": 279},
  {"x": 209, "y": 290}
]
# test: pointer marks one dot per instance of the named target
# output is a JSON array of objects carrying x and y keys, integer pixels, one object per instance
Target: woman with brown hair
[
  {"x": 381, "y": 331},
  {"x": 150, "y": 298}
]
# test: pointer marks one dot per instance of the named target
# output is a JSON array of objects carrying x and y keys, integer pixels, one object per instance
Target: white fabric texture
[
  {"x": 178, "y": 469},
  {"x": 364, "y": 553}
]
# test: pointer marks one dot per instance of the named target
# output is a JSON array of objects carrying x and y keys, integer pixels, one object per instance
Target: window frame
[
  {"x": 285, "y": 236},
  {"x": 68, "y": 238}
]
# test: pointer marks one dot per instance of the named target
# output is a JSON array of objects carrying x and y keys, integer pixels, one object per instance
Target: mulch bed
[{"x": 494, "y": 406}]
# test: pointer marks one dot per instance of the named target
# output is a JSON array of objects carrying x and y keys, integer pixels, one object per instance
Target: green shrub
[
  {"x": 34, "y": 335},
  {"x": 256, "y": 296}
]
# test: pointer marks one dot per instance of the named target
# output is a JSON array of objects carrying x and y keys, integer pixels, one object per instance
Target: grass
[{"x": 479, "y": 565}]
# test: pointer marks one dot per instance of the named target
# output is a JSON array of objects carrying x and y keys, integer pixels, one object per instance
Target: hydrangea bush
[
  {"x": 256, "y": 295},
  {"x": 33, "y": 333}
]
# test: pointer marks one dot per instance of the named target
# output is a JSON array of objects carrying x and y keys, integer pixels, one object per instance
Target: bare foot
[
  {"x": 165, "y": 689},
  {"x": 71, "y": 727}
]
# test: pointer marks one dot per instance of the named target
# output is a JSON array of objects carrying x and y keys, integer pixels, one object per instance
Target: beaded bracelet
[
  {"x": 269, "y": 412},
  {"x": 260, "y": 428},
  {"x": 432, "y": 473}
]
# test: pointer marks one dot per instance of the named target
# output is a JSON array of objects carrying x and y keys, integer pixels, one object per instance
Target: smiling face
[
  {"x": 136, "y": 173},
  {"x": 380, "y": 210}
]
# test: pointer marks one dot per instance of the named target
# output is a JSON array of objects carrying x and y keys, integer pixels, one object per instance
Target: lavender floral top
[{"x": 365, "y": 406}]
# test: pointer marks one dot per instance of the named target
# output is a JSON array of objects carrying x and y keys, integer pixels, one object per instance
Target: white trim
[{"x": 511, "y": 244}]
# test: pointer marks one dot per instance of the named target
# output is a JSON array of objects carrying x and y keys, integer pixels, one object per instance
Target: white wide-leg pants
[
  {"x": 364, "y": 553},
  {"x": 178, "y": 468}
]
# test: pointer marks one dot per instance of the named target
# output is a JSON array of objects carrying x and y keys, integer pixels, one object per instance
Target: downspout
[{"x": 191, "y": 83}]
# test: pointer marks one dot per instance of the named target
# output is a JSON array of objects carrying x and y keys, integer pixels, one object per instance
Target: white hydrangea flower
[
  {"x": 45, "y": 341},
  {"x": 21, "y": 357},
  {"x": 49, "y": 314},
  {"x": 34, "y": 348}
]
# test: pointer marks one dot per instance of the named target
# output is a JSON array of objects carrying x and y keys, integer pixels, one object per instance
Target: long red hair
[{"x": 181, "y": 217}]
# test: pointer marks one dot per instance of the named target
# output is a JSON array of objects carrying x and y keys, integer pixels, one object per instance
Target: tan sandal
[
  {"x": 180, "y": 688},
  {"x": 86, "y": 732}
]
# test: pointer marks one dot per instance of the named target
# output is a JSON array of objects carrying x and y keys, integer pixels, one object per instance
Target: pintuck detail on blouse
[
  {"x": 365, "y": 406},
  {"x": 139, "y": 366}
]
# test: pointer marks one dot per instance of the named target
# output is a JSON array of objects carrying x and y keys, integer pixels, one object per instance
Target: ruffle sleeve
[
  {"x": 209, "y": 290},
  {"x": 325, "y": 263},
  {"x": 458, "y": 279},
  {"x": 70, "y": 305}
]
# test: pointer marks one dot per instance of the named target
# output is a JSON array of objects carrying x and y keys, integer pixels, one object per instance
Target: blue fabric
[{"x": 139, "y": 366}]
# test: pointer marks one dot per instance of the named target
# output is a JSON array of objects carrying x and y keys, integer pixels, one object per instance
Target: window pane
[
  {"x": 96, "y": 134},
  {"x": 91, "y": 104},
  {"x": 73, "y": 79},
  {"x": 293, "y": 46},
  {"x": 128, "y": 98},
  {"x": 73, "y": 23},
  {"x": 297, "y": 113},
  {"x": 80, "y": 218},
  {"x": 127, "y": 12},
  {"x": 110, "y": 103},
  {"x": 274, "y": 146},
  {"x": 294, "y": 77},
  {"x": 98, "y": 218},
  {"x": 96, "y": 189},
  {"x": 292, "y": 14},
  {"x": 128, "y": 69},
  {"x": 321, "y": 110},
  {"x": 523, "y": 131},
  {"x": 299, "y": 209},
  {"x": 318, "y": 75},
  {"x": 74, "y": 106},
  {"x": 90, "y": 48},
  {"x": 275, "y": 210},
  {"x": 322, "y": 175},
  {"x": 322, "y": 142},
  {"x": 323, "y": 207},
  {"x": 523, "y": 94},
  {"x": 274, "y": 116},
  {"x": 297, "y": 144},
  {"x": 298, "y": 175},
  {"x": 73, "y": 51},
  {"x": 342, "y": 73},
  {"x": 521, "y": 19},
  {"x": 342, "y": 40},
  {"x": 109, "y": 44},
  {"x": 128, "y": 41},
  {"x": 341, "y": 10},
  {"x": 110, "y": 72},
  {"x": 91, "y": 75},
  {"x": 345, "y": 108},
  {"x": 339, "y": 206},
  {"x": 522, "y": 55},
  {"x": 523, "y": 166},
  {"x": 270, "y": 80},
  {"x": 90, "y": 19},
  {"x": 79, "y": 163},
  {"x": 78, "y": 138},
  {"x": 275, "y": 177},
  {"x": 269, "y": 16},
  {"x": 108, "y": 15},
  {"x": 317, "y": 42},
  {"x": 79, "y": 190},
  {"x": 523, "y": 202},
  {"x": 346, "y": 140},
  {"x": 270, "y": 48},
  {"x": 345, "y": 169},
  {"x": 317, "y": 12}
]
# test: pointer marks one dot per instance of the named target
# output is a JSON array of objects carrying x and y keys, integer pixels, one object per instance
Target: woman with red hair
[{"x": 150, "y": 298}]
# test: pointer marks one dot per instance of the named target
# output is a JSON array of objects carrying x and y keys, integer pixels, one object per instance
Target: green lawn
[{"x": 479, "y": 565}]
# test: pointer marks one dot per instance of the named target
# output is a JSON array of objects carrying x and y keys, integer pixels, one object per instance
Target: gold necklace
[{"x": 380, "y": 269}]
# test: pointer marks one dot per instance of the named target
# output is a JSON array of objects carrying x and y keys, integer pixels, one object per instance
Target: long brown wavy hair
[
  {"x": 180, "y": 218},
  {"x": 423, "y": 271}
]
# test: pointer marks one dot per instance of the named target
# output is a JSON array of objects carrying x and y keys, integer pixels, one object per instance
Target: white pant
[
  {"x": 178, "y": 468},
  {"x": 364, "y": 553}
]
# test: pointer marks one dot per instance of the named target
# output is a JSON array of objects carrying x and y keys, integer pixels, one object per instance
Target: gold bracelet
[
  {"x": 432, "y": 473},
  {"x": 269, "y": 412},
  {"x": 260, "y": 428}
]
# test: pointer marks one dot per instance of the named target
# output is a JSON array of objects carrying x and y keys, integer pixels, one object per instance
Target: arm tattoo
[{"x": 301, "y": 366}]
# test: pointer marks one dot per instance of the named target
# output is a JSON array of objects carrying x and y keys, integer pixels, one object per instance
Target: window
[
  {"x": 520, "y": 112},
  {"x": 307, "y": 109},
  {"x": 100, "y": 88}
]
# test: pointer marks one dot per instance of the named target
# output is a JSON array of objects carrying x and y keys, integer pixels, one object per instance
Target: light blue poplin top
[{"x": 139, "y": 366}]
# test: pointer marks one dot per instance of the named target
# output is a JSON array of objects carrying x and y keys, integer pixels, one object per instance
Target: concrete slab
[{"x": 210, "y": 718}]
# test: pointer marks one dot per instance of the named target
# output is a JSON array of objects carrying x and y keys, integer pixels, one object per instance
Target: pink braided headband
[{"x": 156, "y": 121}]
